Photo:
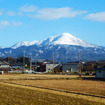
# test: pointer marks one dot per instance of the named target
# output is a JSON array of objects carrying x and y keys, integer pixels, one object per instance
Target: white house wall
[
  {"x": 67, "y": 67},
  {"x": 50, "y": 67}
]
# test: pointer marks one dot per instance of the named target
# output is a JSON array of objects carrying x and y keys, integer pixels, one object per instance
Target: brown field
[
  {"x": 35, "y": 76},
  {"x": 20, "y": 95},
  {"x": 80, "y": 86}
]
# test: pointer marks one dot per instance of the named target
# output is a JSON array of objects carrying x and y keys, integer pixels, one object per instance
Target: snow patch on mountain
[{"x": 24, "y": 43}]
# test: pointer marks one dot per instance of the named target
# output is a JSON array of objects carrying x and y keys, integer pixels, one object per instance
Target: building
[
  {"x": 51, "y": 67},
  {"x": 100, "y": 73},
  {"x": 41, "y": 65},
  {"x": 18, "y": 66},
  {"x": 89, "y": 67},
  {"x": 4, "y": 67},
  {"x": 70, "y": 67}
]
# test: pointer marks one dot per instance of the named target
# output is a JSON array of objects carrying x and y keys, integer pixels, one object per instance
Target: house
[
  {"x": 51, "y": 67},
  {"x": 4, "y": 67},
  {"x": 89, "y": 67},
  {"x": 70, "y": 67},
  {"x": 100, "y": 73},
  {"x": 43, "y": 61},
  {"x": 41, "y": 65}
]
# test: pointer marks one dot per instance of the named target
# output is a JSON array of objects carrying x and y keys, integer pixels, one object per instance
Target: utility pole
[
  {"x": 30, "y": 61},
  {"x": 80, "y": 62},
  {"x": 35, "y": 62},
  {"x": 53, "y": 61},
  {"x": 24, "y": 58}
]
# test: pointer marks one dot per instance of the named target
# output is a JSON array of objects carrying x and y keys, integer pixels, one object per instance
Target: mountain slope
[{"x": 24, "y": 43}]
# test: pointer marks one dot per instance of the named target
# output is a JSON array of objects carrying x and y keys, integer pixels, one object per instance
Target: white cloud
[
  {"x": 56, "y": 13},
  {"x": 17, "y": 23},
  {"x": 27, "y": 8},
  {"x": 4, "y": 24},
  {"x": 100, "y": 17},
  {"x": 1, "y": 13},
  {"x": 20, "y": 13},
  {"x": 11, "y": 13},
  {"x": 7, "y": 23}
]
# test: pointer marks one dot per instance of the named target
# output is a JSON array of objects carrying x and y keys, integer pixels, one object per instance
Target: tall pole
[
  {"x": 80, "y": 61},
  {"x": 23, "y": 58},
  {"x": 53, "y": 61},
  {"x": 31, "y": 62}
]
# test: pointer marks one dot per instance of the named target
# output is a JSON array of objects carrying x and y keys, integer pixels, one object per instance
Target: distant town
[{"x": 26, "y": 65}]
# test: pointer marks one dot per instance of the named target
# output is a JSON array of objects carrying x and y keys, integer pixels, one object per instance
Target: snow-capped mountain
[
  {"x": 65, "y": 39},
  {"x": 24, "y": 43},
  {"x": 65, "y": 48}
]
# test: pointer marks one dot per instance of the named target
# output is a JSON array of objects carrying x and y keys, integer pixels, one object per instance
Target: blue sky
[{"x": 28, "y": 20}]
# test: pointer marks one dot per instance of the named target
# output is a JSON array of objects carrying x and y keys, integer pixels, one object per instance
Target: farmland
[
  {"x": 35, "y": 76},
  {"x": 11, "y": 95},
  {"x": 81, "y": 86},
  {"x": 25, "y": 89}
]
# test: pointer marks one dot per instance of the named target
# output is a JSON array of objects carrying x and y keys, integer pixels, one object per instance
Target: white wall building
[
  {"x": 70, "y": 67},
  {"x": 50, "y": 67}
]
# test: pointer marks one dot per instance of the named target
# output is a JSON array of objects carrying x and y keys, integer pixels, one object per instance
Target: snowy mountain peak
[
  {"x": 66, "y": 39},
  {"x": 67, "y": 34}
]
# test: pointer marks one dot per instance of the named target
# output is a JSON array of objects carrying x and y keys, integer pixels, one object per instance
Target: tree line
[{"x": 11, "y": 60}]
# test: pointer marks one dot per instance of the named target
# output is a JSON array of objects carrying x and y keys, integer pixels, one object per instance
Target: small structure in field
[
  {"x": 70, "y": 67},
  {"x": 100, "y": 73},
  {"x": 4, "y": 67}
]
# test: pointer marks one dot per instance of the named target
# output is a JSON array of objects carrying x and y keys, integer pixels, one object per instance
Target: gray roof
[
  {"x": 43, "y": 60},
  {"x": 4, "y": 63}
]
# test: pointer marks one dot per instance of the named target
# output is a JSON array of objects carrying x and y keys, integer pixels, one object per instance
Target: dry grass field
[
  {"x": 12, "y": 94},
  {"x": 81, "y": 86},
  {"x": 35, "y": 76},
  {"x": 18, "y": 95}
]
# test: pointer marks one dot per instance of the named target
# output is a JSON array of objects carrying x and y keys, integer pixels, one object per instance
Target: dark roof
[
  {"x": 100, "y": 69},
  {"x": 17, "y": 64},
  {"x": 70, "y": 64}
]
